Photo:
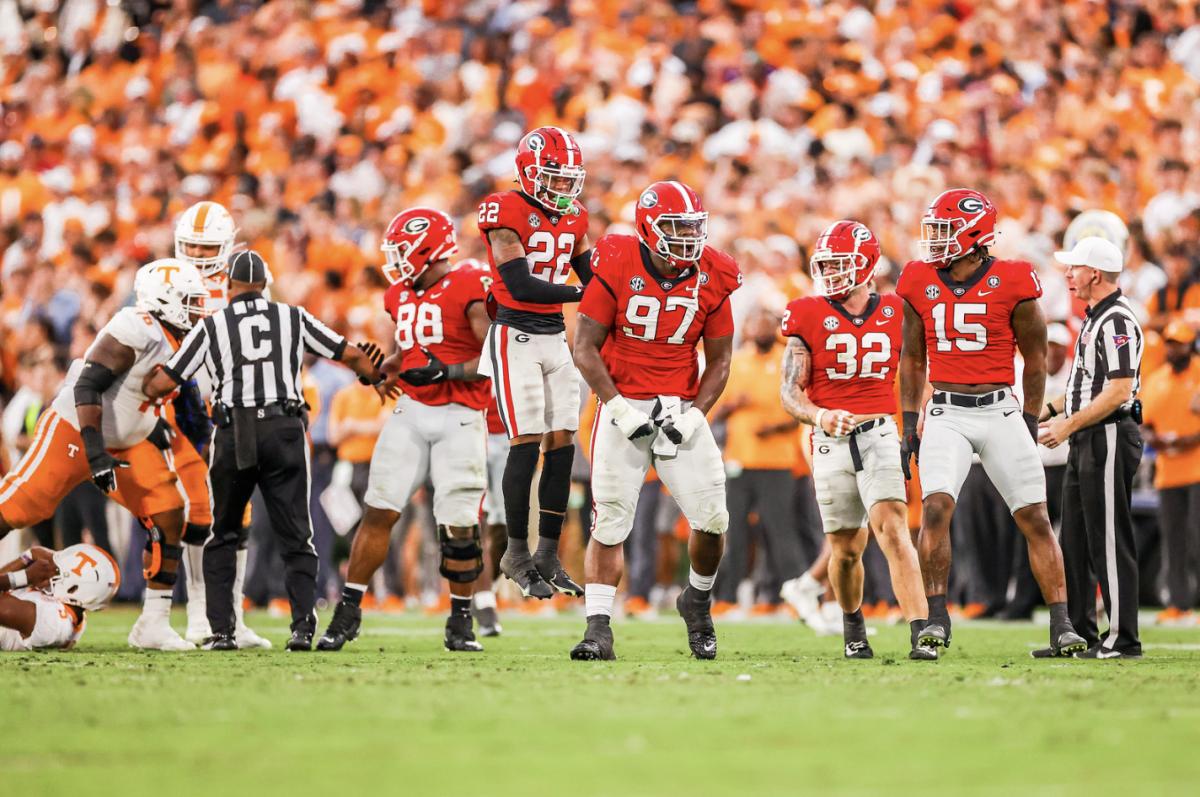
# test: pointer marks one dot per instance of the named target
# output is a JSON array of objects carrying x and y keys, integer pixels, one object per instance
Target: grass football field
[{"x": 779, "y": 713}]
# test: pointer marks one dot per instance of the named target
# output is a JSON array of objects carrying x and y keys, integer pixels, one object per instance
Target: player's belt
[
  {"x": 855, "y": 454},
  {"x": 969, "y": 400}
]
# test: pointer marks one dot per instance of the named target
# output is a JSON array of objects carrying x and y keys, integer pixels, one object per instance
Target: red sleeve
[
  {"x": 1027, "y": 285},
  {"x": 904, "y": 285},
  {"x": 474, "y": 286},
  {"x": 719, "y": 323},
  {"x": 599, "y": 302},
  {"x": 504, "y": 211},
  {"x": 793, "y": 320},
  {"x": 391, "y": 299}
]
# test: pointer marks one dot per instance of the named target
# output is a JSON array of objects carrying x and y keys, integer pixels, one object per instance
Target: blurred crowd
[{"x": 315, "y": 122}]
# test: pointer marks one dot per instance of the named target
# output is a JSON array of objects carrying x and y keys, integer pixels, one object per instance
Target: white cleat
[
  {"x": 198, "y": 628},
  {"x": 247, "y": 639},
  {"x": 155, "y": 633},
  {"x": 804, "y": 595}
]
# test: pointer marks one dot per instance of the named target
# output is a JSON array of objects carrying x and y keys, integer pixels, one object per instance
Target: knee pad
[
  {"x": 460, "y": 550},
  {"x": 196, "y": 533},
  {"x": 161, "y": 553}
]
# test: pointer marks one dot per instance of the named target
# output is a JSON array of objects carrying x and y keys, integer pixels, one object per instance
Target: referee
[
  {"x": 254, "y": 349},
  {"x": 1100, "y": 415}
]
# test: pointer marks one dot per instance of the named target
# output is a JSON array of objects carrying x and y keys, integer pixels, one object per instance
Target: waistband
[
  {"x": 866, "y": 426},
  {"x": 1131, "y": 413},
  {"x": 969, "y": 399},
  {"x": 223, "y": 415}
]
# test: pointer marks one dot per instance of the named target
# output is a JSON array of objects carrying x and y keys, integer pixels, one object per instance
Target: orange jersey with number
[
  {"x": 655, "y": 323},
  {"x": 550, "y": 241},
  {"x": 853, "y": 357},
  {"x": 968, "y": 325}
]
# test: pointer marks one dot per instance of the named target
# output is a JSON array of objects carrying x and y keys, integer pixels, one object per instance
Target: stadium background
[{"x": 316, "y": 122}]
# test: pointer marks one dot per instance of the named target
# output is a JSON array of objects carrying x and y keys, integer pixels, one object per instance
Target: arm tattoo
[{"x": 797, "y": 369}]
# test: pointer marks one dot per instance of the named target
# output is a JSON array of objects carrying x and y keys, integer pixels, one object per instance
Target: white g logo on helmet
[
  {"x": 536, "y": 142},
  {"x": 861, "y": 233},
  {"x": 970, "y": 204},
  {"x": 170, "y": 290},
  {"x": 649, "y": 199},
  {"x": 87, "y": 577},
  {"x": 416, "y": 225}
]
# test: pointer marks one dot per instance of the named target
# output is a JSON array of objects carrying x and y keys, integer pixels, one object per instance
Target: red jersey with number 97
[
  {"x": 654, "y": 323},
  {"x": 550, "y": 241},
  {"x": 968, "y": 325},
  {"x": 436, "y": 319},
  {"x": 853, "y": 357}
]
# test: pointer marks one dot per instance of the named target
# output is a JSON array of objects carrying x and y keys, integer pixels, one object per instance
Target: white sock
[
  {"x": 810, "y": 584},
  {"x": 702, "y": 583},
  {"x": 485, "y": 599},
  {"x": 598, "y": 599},
  {"x": 193, "y": 568},
  {"x": 357, "y": 587},
  {"x": 239, "y": 579},
  {"x": 157, "y": 602}
]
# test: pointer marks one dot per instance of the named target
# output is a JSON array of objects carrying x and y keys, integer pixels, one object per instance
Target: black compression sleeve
[
  {"x": 525, "y": 287},
  {"x": 582, "y": 265},
  {"x": 93, "y": 380}
]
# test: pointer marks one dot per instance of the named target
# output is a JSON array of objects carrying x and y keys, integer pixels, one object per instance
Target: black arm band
[
  {"x": 1050, "y": 409},
  {"x": 525, "y": 287},
  {"x": 910, "y": 420},
  {"x": 582, "y": 266},
  {"x": 456, "y": 371},
  {"x": 93, "y": 380},
  {"x": 93, "y": 441}
]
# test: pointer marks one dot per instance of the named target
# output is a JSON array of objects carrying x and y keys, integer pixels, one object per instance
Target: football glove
[
  {"x": 191, "y": 416},
  {"x": 910, "y": 442},
  {"x": 374, "y": 354},
  {"x": 632, "y": 422},
  {"x": 161, "y": 435},
  {"x": 102, "y": 464},
  {"x": 431, "y": 373},
  {"x": 680, "y": 430}
]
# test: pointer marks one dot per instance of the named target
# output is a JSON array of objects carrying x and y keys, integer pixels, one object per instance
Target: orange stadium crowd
[{"x": 316, "y": 122}]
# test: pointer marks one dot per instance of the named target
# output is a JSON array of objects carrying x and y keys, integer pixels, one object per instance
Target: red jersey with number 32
[
  {"x": 654, "y": 323},
  {"x": 436, "y": 319},
  {"x": 853, "y": 357},
  {"x": 968, "y": 325},
  {"x": 550, "y": 241}
]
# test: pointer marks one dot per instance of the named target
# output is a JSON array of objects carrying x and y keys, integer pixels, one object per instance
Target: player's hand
[
  {"x": 39, "y": 573},
  {"x": 161, "y": 435},
  {"x": 387, "y": 389},
  {"x": 104, "y": 470},
  {"x": 373, "y": 352},
  {"x": 680, "y": 430},
  {"x": 632, "y": 422},
  {"x": 1031, "y": 422},
  {"x": 431, "y": 373},
  {"x": 837, "y": 423},
  {"x": 910, "y": 442}
]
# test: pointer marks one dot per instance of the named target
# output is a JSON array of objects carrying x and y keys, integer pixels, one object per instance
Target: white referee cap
[
  {"x": 249, "y": 266},
  {"x": 1093, "y": 252}
]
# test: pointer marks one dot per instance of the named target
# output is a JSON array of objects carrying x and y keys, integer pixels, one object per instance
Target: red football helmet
[
  {"x": 844, "y": 257},
  {"x": 955, "y": 223},
  {"x": 550, "y": 168},
  {"x": 415, "y": 239},
  {"x": 672, "y": 222}
]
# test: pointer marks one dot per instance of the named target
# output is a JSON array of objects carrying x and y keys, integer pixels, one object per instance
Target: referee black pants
[
  {"x": 282, "y": 476},
  {"x": 1097, "y": 532}
]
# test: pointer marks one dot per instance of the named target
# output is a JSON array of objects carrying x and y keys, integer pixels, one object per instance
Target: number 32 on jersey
[{"x": 867, "y": 359}]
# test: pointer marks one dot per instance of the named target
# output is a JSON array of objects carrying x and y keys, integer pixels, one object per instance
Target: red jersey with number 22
[
  {"x": 655, "y": 323},
  {"x": 968, "y": 325},
  {"x": 550, "y": 240},
  {"x": 436, "y": 319},
  {"x": 854, "y": 357}
]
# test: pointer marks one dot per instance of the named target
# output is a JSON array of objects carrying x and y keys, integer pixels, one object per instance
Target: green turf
[{"x": 778, "y": 713}]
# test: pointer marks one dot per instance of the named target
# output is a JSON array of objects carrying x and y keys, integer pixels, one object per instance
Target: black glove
[
  {"x": 431, "y": 373},
  {"x": 1031, "y": 421},
  {"x": 191, "y": 416},
  {"x": 910, "y": 442},
  {"x": 102, "y": 464},
  {"x": 374, "y": 354},
  {"x": 161, "y": 435}
]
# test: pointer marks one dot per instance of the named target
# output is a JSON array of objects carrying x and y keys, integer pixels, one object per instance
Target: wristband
[
  {"x": 1050, "y": 409},
  {"x": 27, "y": 557},
  {"x": 817, "y": 418},
  {"x": 93, "y": 441},
  {"x": 17, "y": 579}
]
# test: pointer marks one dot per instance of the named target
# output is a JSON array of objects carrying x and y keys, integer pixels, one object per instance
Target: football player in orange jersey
[{"x": 44, "y": 595}]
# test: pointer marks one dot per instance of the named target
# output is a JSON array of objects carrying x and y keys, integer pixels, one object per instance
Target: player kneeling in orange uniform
[
  {"x": 44, "y": 595},
  {"x": 649, "y": 304},
  {"x": 839, "y": 375},
  {"x": 101, "y": 425}
]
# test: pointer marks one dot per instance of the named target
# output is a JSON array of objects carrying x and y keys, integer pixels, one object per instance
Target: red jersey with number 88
[
  {"x": 436, "y": 319},
  {"x": 853, "y": 357},
  {"x": 550, "y": 241},
  {"x": 655, "y": 323},
  {"x": 968, "y": 325}
]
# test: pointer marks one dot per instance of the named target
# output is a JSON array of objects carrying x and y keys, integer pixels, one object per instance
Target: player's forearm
[
  {"x": 797, "y": 404},
  {"x": 90, "y": 416},
  {"x": 595, "y": 373},
  {"x": 525, "y": 287},
  {"x": 1033, "y": 383},
  {"x": 712, "y": 384},
  {"x": 912, "y": 383},
  {"x": 465, "y": 372}
]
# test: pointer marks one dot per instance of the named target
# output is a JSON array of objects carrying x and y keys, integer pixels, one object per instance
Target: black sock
[
  {"x": 547, "y": 546},
  {"x": 518, "y": 485},
  {"x": 915, "y": 627},
  {"x": 460, "y": 607},
  {"x": 352, "y": 596},
  {"x": 937, "y": 610},
  {"x": 554, "y": 489},
  {"x": 854, "y": 626},
  {"x": 1058, "y": 615}
]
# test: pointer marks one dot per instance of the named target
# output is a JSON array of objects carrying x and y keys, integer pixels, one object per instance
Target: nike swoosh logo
[
  {"x": 1010, "y": 412},
  {"x": 1111, "y": 654},
  {"x": 710, "y": 646},
  {"x": 881, "y": 322},
  {"x": 466, "y": 423},
  {"x": 986, "y": 293}
]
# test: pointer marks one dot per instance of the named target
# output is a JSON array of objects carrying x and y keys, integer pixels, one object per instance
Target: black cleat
[
  {"x": 859, "y": 649},
  {"x": 343, "y": 628},
  {"x": 301, "y": 641},
  {"x": 489, "y": 621},
  {"x": 597, "y": 643},
  {"x": 219, "y": 642},
  {"x": 520, "y": 568},
  {"x": 550, "y": 569},
  {"x": 460, "y": 637},
  {"x": 923, "y": 653},
  {"x": 697, "y": 616},
  {"x": 933, "y": 635},
  {"x": 1066, "y": 645},
  {"x": 1101, "y": 652}
]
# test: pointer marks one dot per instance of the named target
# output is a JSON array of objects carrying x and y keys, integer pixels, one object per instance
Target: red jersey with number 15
[
  {"x": 436, "y": 319},
  {"x": 655, "y": 323},
  {"x": 854, "y": 357},
  {"x": 968, "y": 325},
  {"x": 550, "y": 241}
]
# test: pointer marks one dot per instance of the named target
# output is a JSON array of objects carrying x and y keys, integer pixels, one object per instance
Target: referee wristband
[
  {"x": 1050, "y": 409},
  {"x": 17, "y": 579}
]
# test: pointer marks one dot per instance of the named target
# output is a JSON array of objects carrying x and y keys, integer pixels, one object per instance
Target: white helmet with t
[
  {"x": 88, "y": 577},
  {"x": 172, "y": 291},
  {"x": 206, "y": 224}
]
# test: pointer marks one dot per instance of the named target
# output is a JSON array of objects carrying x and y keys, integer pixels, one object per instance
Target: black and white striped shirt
[
  {"x": 1109, "y": 347},
  {"x": 254, "y": 349}
]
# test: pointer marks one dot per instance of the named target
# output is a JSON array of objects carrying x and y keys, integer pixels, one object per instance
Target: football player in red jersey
[
  {"x": 535, "y": 237},
  {"x": 437, "y": 429},
  {"x": 839, "y": 375},
  {"x": 652, "y": 300},
  {"x": 966, "y": 313}
]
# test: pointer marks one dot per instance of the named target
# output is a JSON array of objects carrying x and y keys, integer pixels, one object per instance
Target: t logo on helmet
[
  {"x": 167, "y": 270},
  {"x": 84, "y": 560}
]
